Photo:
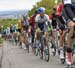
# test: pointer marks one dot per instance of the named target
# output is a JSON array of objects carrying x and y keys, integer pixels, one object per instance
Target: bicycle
[
  {"x": 65, "y": 47},
  {"x": 29, "y": 42},
  {"x": 55, "y": 45},
  {"x": 37, "y": 42},
  {"x": 45, "y": 47},
  {"x": 37, "y": 47}
]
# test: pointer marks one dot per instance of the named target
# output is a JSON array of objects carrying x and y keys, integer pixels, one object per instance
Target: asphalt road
[{"x": 15, "y": 57}]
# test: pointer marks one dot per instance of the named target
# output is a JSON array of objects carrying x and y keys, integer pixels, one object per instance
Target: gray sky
[{"x": 16, "y": 4}]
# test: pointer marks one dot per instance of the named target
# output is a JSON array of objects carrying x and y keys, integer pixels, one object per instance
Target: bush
[
  {"x": 6, "y": 22},
  {"x": 1, "y": 40}
]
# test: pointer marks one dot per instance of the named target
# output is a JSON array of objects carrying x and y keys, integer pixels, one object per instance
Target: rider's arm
[
  {"x": 37, "y": 18},
  {"x": 35, "y": 37},
  {"x": 48, "y": 20}
]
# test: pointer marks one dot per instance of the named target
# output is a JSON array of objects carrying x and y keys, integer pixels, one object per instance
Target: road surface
[{"x": 15, "y": 57}]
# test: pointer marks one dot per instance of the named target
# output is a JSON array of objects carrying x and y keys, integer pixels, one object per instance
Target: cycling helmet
[{"x": 41, "y": 10}]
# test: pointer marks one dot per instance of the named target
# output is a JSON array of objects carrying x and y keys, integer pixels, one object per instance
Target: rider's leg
[
  {"x": 61, "y": 43},
  {"x": 69, "y": 59},
  {"x": 33, "y": 35},
  {"x": 53, "y": 42}
]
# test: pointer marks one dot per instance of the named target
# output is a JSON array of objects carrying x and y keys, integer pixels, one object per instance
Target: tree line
[{"x": 48, "y": 4}]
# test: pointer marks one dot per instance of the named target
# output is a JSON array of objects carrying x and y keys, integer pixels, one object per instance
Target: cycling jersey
[
  {"x": 59, "y": 9},
  {"x": 42, "y": 21},
  {"x": 32, "y": 21},
  {"x": 60, "y": 18}
]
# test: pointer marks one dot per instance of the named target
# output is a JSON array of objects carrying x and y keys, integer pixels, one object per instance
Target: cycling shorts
[
  {"x": 65, "y": 15},
  {"x": 42, "y": 26}
]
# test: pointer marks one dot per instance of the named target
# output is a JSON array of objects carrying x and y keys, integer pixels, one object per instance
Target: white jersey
[
  {"x": 68, "y": 1},
  {"x": 42, "y": 20}
]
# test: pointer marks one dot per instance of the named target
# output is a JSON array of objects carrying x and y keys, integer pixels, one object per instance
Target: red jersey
[
  {"x": 32, "y": 21},
  {"x": 59, "y": 9}
]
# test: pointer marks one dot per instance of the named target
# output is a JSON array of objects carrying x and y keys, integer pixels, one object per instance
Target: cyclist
[
  {"x": 8, "y": 33},
  {"x": 54, "y": 27},
  {"x": 32, "y": 24},
  {"x": 62, "y": 30},
  {"x": 11, "y": 26},
  {"x": 11, "y": 30},
  {"x": 69, "y": 7},
  {"x": 25, "y": 27},
  {"x": 25, "y": 23},
  {"x": 42, "y": 20}
]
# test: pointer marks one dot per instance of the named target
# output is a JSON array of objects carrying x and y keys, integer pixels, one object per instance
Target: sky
[{"x": 16, "y": 4}]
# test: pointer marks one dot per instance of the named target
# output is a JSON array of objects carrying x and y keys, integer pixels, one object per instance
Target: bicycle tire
[{"x": 47, "y": 55}]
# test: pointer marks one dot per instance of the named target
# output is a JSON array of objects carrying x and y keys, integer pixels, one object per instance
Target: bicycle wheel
[
  {"x": 46, "y": 53},
  {"x": 27, "y": 46},
  {"x": 36, "y": 51},
  {"x": 41, "y": 52}
]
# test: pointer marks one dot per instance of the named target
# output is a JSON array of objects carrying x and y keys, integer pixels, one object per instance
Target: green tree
[
  {"x": 48, "y": 4},
  {"x": 6, "y": 22}
]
